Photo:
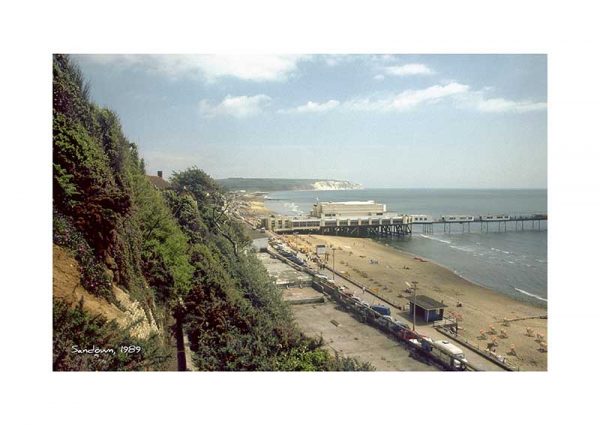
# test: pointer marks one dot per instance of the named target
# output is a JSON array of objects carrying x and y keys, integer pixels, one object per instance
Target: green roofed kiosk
[{"x": 428, "y": 309}]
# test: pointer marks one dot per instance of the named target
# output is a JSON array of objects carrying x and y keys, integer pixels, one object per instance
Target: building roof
[
  {"x": 159, "y": 182},
  {"x": 427, "y": 303},
  {"x": 384, "y": 216},
  {"x": 349, "y": 203}
]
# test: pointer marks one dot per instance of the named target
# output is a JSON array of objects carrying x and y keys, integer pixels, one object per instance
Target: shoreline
[
  {"x": 384, "y": 269},
  {"x": 471, "y": 281}
]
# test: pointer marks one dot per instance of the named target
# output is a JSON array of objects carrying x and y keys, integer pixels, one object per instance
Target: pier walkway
[
  {"x": 403, "y": 225},
  {"x": 511, "y": 222}
]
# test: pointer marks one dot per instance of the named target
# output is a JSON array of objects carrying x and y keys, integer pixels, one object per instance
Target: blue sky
[{"x": 461, "y": 121}]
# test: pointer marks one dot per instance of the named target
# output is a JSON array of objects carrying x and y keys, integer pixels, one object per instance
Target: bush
[
  {"x": 94, "y": 276},
  {"x": 75, "y": 329}
]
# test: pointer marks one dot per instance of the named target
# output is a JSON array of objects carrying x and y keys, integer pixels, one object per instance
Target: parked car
[{"x": 381, "y": 309}]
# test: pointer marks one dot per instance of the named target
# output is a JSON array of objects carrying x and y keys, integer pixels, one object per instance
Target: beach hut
[{"x": 428, "y": 309}]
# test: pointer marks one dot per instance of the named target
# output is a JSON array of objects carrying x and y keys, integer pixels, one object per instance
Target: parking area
[
  {"x": 283, "y": 273},
  {"x": 347, "y": 336},
  {"x": 341, "y": 332}
]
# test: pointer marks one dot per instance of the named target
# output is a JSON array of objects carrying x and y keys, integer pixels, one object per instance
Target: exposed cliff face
[
  {"x": 128, "y": 313},
  {"x": 335, "y": 185}
]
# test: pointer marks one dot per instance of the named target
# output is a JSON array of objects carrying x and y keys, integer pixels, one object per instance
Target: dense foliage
[
  {"x": 108, "y": 347},
  {"x": 94, "y": 276},
  {"x": 178, "y": 252},
  {"x": 100, "y": 187},
  {"x": 234, "y": 315}
]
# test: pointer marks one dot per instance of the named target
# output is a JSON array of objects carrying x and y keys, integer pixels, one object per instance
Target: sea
[{"x": 511, "y": 262}]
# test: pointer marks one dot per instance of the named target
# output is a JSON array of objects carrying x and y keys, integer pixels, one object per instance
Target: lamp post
[
  {"x": 333, "y": 268},
  {"x": 414, "y": 306}
]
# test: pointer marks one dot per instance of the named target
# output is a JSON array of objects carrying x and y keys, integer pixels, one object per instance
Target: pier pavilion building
[
  {"x": 347, "y": 209},
  {"x": 349, "y": 218}
]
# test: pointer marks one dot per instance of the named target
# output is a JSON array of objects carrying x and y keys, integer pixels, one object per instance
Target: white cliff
[{"x": 335, "y": 185}]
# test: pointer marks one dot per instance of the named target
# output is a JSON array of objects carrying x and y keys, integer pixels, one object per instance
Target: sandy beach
[
  {"x": 385, "y": 270},
  {"x": 252, "y": 207}
]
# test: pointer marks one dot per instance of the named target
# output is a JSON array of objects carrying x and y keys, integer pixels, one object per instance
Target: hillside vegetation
[
  {"x": 177, "y": 254},
  {"x": 273, "y": 185}
]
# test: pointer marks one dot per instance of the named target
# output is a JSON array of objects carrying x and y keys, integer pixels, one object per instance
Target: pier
[
  {"x": 370, "y": 219},
  {"x": 511, "y": 223},
  {"x": 397, "y": 225}
]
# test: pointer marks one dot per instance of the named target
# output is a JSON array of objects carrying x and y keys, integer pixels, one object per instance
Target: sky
[{"x": 384, "y": 121}]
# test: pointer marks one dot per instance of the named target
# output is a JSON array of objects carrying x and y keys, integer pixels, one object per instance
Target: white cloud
[
  {"x": 460, "y": 94},
  {"x": 499, "y": 104},
  {"x": 311, "y": 106},
  {"x": 236, "y": 106},
  {"x": 334, "y": 60},
  {"x": 379, "y": 77},
  {"x": 403, "y": 101},
  {"x": 387, "y": 58},
  {"x": 252, "y": 68},
  {"x": 407, "y": 99},
  {"x": 210, "y": 67},
  {"x": 479, "y": 101},
  {"x": 408, "y": 69}
]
